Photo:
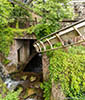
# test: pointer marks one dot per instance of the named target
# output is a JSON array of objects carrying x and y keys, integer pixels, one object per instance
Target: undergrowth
[
  {"x": 5, "y": 94},
  {"x": 68, "y": 69},
  {"x": 11, "y": 96},
  {"x": 7, "y": 36}
]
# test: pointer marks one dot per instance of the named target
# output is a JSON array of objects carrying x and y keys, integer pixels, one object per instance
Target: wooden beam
[
  {"x": 60, "y": 39},
  {"x": 43, "y": 45},
  {"x": 78, "y": 32},
  {"x": 64, "y": 46},
  {"x": 49, "y": 43}
]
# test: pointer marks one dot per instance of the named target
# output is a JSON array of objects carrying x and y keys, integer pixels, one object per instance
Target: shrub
[
  {"x": 11, "y": 96},
  {"x": 68, "y": 69}
]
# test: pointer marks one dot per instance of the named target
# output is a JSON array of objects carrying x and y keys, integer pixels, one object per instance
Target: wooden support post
[{"x": 45, "y": 64}]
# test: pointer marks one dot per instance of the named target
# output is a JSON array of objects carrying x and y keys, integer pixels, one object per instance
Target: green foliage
[
  {"x": 10, "y": 14},
  {"x": 5, "y": 10},
  {"x": 69, "y": 69},
  {"x": 77, "y": 50},
  {"x": 52, "y": 9},
  {"x": 20, "y": 16},
  {"x": 52, "y": 12},
  {"x": 46, "y": 86},
  {"x": 3, "y": 89},
  {"x": 11, "y": 96},
  {"x": 7, "y": 36},
  {"x": 5, "y": 94},
  {"x": 44, "y": 29},
  {"x": 19, "y": 12},
  {"x": 6, "y": 61}
]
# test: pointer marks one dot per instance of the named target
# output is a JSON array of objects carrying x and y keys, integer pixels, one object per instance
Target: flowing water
[
  {"x": 10, "y": 83},
  {"x": 30, "y": 99}
]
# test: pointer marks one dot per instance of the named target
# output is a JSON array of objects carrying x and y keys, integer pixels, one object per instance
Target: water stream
[
  {"x": 10, "y": 83},
  {"x": 29, "y": 99}
]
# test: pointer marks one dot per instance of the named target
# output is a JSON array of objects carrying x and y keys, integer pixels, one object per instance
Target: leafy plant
[
  {"x": 11, "y": 96},
  {"x": 46, "y": 86},
  {"x": 51, "y": 12},
  {"x": 69, "y": 69},
  {"x": 20, "y": 16},
  {"x": 5, "y": 94},
  {"x": 5, "y": 10}
]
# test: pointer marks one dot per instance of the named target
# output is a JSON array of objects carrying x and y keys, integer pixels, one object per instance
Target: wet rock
[
  {"x": 12, "y": 84},
  {"x": 31, "y": 91},
  {"x": 11, "y": 68},
  {"x": 32, "y": 78},
  {"x": 37, "y": 85}
]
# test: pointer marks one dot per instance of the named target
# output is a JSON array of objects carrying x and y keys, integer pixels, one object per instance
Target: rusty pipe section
[{"x": 71, "y": 35}]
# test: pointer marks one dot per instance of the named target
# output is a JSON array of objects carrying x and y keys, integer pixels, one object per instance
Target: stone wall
[
  {"x": 24, "y": 44},
  {"x": 12, "y": 57},
  {"x": 79, "y": 9},
  {"x": 45, "y": 64},
  {"x": 79, "y": 13},
  {"x": 57, "y": 93}
]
